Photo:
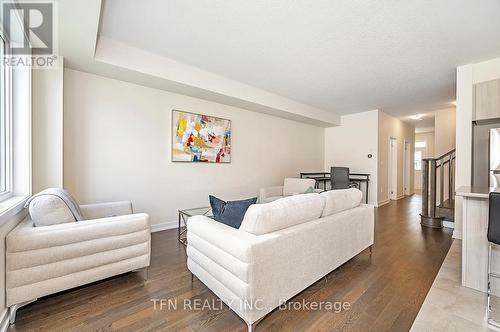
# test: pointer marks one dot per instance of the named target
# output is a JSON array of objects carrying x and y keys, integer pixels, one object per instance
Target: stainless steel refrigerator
[{"x": 494, "y": 147}]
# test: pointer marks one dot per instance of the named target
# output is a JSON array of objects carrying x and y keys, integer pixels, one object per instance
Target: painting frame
[{"x": 173, "y": 137}]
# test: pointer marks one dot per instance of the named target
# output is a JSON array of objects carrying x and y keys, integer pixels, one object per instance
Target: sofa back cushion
[
  {"x": 340, "y": 200},
  {"x": 53, "y": 206},
  {"x": 282, "y": 213},
  {"x": 293, "y": 186},
  {"x": 46, "y": 210}
]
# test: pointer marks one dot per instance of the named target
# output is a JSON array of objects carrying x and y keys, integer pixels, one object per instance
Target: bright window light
[
  {"x": 420, "y": 144},
  {"x": 418, "y": 160},
  {"x": 5, "y": 170}
]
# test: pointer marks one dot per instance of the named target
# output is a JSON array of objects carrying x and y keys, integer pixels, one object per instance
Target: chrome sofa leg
[
  {"x": 251, "y": 327},
  {"x": 371, "y": 249},
  {"x": 192, "y": 277},
  {"x": 13, "y": 310}
]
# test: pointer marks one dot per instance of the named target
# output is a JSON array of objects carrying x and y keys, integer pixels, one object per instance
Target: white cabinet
[{"x": 487, "y": 100}]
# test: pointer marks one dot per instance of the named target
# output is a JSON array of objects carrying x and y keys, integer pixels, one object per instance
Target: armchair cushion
[
  {"x": 270, "y": 194},
  {"x": 106, "y": 210},
  {"x": 53, "y": 206},
  {"x": 294, "y": 186},
  {"x": 49, "y": 210},
  {"x": 269, "y": 199}
]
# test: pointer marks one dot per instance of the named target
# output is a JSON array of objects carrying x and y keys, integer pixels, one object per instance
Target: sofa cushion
[
  {"x": 282, "y": 213},
  {"x": 48, "y": 210},
  {"x": 230, "y": 213},
  {"x": 340, "y": 200},
  {"x": 45, "y": 211},
  {"x": 292, "y": 186}
]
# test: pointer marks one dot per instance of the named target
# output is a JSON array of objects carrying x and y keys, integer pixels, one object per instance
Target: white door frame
[
  {"x": 392, "y": 178},
  {"x": 406, "y": 170}
]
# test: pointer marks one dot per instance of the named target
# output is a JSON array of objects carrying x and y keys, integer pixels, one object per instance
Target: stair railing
[{"x": 433, "y": 191}]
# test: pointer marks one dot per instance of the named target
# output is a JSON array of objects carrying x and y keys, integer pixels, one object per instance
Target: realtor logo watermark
[
  {"x": 30, "y": 27},
  {"x": 217, "y": 304}
]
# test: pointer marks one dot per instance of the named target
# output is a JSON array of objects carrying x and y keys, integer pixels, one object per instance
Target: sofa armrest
[
  {"x": 26, "y": 237},
  {"x": 270, "y": 192},
  {"x": 104, "y": 210},
  {"x": 228, "y": 239}
]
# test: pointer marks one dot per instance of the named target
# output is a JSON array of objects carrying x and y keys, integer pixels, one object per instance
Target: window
[
  {"x": 5, "y": 126},
  {"x": 420, "y": 145},
  {"x": 418, "y": 160},
  {"x": 15, "y": 131}
]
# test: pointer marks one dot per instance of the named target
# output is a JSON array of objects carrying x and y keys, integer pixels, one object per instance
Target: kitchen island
[{"x": 475, "y": 241}]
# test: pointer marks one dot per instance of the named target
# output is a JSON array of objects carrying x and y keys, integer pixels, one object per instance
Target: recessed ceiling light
[{"x": 417, "y": 117}]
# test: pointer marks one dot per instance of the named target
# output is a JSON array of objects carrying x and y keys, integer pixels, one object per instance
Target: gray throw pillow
[
  {"x": 53, "y": 206},
  {"x": 49, "y": 210}
]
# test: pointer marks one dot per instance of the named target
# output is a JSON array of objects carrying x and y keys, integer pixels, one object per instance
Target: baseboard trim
[
  {"x": 383, "y": 202},
  {"x": 400, "y": 197},
  {"x": 4, "y": 321},
  {"x": 457, "y": 235},
  {"x": 164, "y": 226},
  {"x": 449, "y": 224}
]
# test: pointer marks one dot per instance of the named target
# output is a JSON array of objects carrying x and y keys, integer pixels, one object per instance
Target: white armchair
[
  {"x": 105, "y": 210},
  {"x": 291, "y": 186},
  {"x": 48, "y": 259}
]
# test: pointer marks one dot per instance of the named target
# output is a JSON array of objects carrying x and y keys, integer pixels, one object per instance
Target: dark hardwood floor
[{"x": 385, "y": 290}]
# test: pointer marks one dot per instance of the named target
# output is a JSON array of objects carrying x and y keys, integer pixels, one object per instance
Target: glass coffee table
[{"x": 185, "y": 214}]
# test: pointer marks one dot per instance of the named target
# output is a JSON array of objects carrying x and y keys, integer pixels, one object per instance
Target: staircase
[
  {"x": 446, "y": 210},
  {"x": 438, "y": 194}
]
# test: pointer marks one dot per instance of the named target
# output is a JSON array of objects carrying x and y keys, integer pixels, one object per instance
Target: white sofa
[
  {"x": 48, "y": 259},
  {"x": 290, "y": 187},
  {"x": 280, "y": 249}
]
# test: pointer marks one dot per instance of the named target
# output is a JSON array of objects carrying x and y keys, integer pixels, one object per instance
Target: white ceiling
[
  {"x": 425, "y": 123},
  {"x": 342, "y": 56},
  {"x": 83, "y": 50}
]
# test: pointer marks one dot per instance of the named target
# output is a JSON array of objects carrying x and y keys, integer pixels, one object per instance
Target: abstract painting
[{"x": 200, "y": 138}]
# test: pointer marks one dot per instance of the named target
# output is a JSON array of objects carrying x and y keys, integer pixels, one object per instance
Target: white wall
[
  {"x": 364, "y": 133},
  {"x": 427, "y": 152},
  {"x": 389, "y": 126},
  {"x": 467, "y": 76},
  {"x": 47, "y": 127},
  {"x": 444, "y": 128},
  {"x": 117, "y": 146},
  {"x": 350, "y": 143}
]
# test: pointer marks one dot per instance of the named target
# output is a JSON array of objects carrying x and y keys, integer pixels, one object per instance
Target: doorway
[
  {"x": 393, "y": 169},
  {"x": 406, "y": 170}
]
